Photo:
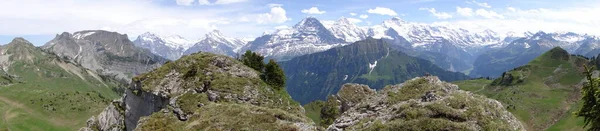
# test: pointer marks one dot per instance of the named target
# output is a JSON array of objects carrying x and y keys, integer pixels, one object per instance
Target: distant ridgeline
[{"x": 372, "y": 62}]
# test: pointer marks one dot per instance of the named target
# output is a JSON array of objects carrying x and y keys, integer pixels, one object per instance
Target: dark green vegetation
[
  {"x": 590, "y": 109},
  {"x": 219, "y": 93},
  {"x": 314, "y": 76},
  {"x": 253, "y": 60},
  {"x": 542, "y": 94},
  {"x": 272, "y": 72},
  {"x": 40, "y": 91},
  {"x": 274, "y": 75}
]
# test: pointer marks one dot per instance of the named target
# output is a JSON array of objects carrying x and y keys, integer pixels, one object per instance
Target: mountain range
[{"x": 450, "y": 47}]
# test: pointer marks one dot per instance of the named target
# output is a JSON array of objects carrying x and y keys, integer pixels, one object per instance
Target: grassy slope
[
  {"x": 548, "y": 93},
  {"x": 222, "y": 114},
  {"x": 47, "y": 97},
  {"x": 313, "y": 110}
]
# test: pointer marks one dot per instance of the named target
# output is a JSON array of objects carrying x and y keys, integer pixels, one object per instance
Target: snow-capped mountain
[
  {"x": 348, "y": 31},
  {"x": 170, "y": 47},
  {"x": 216, "y": 42},
  {"x": 306, "y": 37},
  {"x": 424, "y": 35}
]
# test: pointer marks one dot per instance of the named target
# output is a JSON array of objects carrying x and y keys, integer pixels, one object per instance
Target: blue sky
[{"x": 40, "y": 20}]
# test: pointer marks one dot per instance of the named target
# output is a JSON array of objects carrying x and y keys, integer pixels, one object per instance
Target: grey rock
[{"x": 110, "y": 52}]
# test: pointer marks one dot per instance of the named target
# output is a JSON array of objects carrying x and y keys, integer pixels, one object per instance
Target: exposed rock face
[
  {"x": 206, "y": 91},
  {"x": 426, "y": 103},
  {"x": 111, "y": 119},
  {"x": 108, "y": 53},
  {"x": 350, "y": 94},
  {"x": 139, "y": 103}
]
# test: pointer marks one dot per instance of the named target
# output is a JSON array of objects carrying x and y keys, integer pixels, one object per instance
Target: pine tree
[
  {"x": 253, "y": 60},
  {"x": 274, "y": 75},
  {"x": 590, "y": 109}
]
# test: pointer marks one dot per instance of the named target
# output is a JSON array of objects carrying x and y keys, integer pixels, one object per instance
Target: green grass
[
  {"x": 45, "y": 96},
  {"x": 472, "y": 85},
  {"x": 540, "y": 93},
  {"x": 225, "y": 116},
  {"x": 313, "y": 110},
  {"x": 570, "y": 122}
]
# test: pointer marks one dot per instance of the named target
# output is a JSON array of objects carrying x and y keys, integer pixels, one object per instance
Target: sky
[{"x": 41, "y": 20}]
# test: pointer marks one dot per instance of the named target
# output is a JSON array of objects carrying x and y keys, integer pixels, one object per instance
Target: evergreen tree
[
  {"x": 253, "y": 60},
  {"x": 590, "y": 109},
  {"x": 274, "y": 75},
  {"x": 330, "y": 111}
]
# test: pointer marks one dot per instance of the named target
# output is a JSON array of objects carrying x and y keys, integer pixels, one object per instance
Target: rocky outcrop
[
  {"x": 206, "y": 91},
  {"x": 111, "y": 119},
  {"x": 426, "y": 103}
]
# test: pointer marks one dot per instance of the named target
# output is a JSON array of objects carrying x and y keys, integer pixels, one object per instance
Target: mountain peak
[
  {"x": 398, "y": 19},
  {"x": 557, "y": 53},
  {"x": 343, "y": 21},
  {"x": 214, "y": 33},
  {"x": 308, "y": 22},
  {"x": 20, "y": 41}
]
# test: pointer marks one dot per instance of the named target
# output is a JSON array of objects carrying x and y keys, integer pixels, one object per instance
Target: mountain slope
[
  {"x": 41, "y": 91},
  {"x": 372, "y": 62},
  {"x": 168, "y": 47},
  {"x": 540, "y": 93},
  {"x": 216, "y": 42},
  {"x": 520, "y": 51},
  {"x": 202, "y": 91},
  {"x": 422, "y": 103},
  {"x": 306, "y": 37},
  {"x": 106, "y": 52}
]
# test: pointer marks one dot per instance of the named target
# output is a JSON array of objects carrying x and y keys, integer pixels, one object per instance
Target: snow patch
[
  {"x": 527, "y": 45},
  {"x": 345, "y": 77},
  {"x": 81, "y": 36},
  {"x": 372, "y": 66}
]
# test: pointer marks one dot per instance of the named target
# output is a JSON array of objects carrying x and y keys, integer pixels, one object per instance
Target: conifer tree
[
  {"x": 274, "y": 75},
  {"x": 590, "y": 109}
]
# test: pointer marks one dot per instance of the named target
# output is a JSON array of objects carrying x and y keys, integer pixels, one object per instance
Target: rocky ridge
[
  {"x": 423, "y": 103},
  {"x": 203, "y": 91}
]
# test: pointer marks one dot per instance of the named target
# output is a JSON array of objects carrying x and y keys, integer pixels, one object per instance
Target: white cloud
[
  {"x": 352, "y": 14},
  {"x": 313, "y": 10},
  {"x": 277, "y": 15},
  {"x": 482, "y": 4},
  {"x": 132, "y": 17},
  {"x": 575, "y": 19},
  {"x": 511, "y": 9},
  {"x": 488, "y": 14},
  {"x": 281, "y": 27},
  {"x": 364, "y": 16},
  {"x": 382, "y": 11},
  {"x": 185, "y": 2},
  {"x": 439, "y": 15},
  {"x": 225, "y": 2},
  {"x": 354, "y": 20},
  {"x": 217, "y": 2},
  {"x": 464, "y": 11}
]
